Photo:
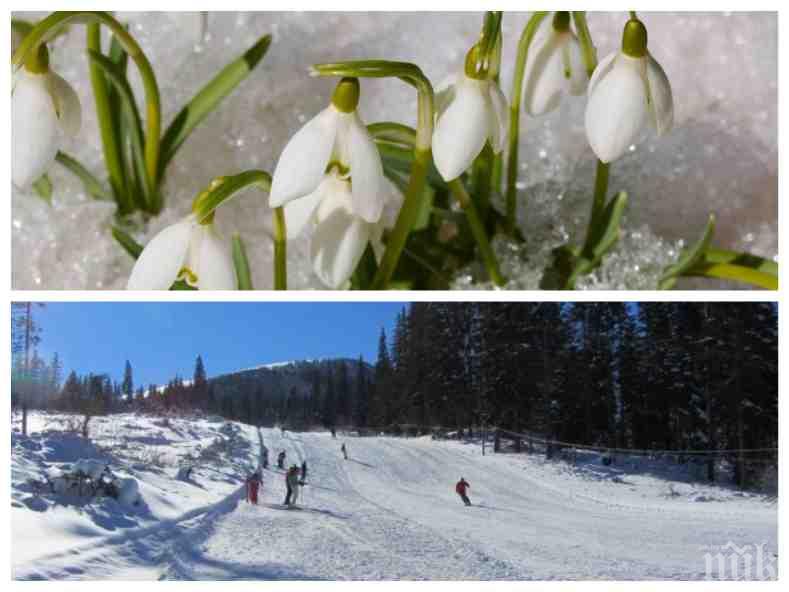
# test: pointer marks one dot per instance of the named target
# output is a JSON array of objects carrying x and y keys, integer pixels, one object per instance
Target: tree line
[{"x": 670, "y": 376}]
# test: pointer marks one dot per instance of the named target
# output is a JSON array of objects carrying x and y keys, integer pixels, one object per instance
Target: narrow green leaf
[
  {"x": 208, "y": 98},
  {"x": 43, "y": 186},
  {"x": 241, "y": 263},
  {"x": 690, "y": 257},
  {"x": 92, "y": 185},
  {"x": 131, "y": 246},
  {"x": 116, "y": 77},
  {"x": 110, "y": 140}
]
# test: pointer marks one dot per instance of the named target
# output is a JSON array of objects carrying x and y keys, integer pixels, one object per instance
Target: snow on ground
[{"x": 390, "y": 512}]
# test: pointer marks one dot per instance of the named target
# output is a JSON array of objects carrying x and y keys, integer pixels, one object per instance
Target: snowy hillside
[{"x": 389, "y": 512}]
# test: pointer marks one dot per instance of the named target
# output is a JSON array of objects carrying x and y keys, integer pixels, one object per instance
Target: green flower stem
[
  {"x": 222, "y": 189},
  {"x": 280, "y": 250},
  {"x": 409, "y": 213},
  {"x": 598, "y": 201},
  {"x": 109, "y": 138},
  {"x": 603, "y": 169},
  {"x": 487, "y": 45},
  {"x": 49, "y": 27},
  {"x": 515, "y": 112},
  {"x": 478, "y": 230},
  {"x": 585, "y": 39}
]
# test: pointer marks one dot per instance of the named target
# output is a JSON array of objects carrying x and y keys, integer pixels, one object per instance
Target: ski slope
[{"x": 390, "y": 512}]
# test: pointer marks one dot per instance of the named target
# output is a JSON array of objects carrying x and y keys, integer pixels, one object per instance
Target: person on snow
[
  {"x": 344, "y": 451},
  {"x": 461, "y": 488},
  {"x": 281, "y": 460},
  {"x": 333, "y": 433},
  {"x": 253, "y": 484},
  {"x": 265, "y": 457},
  {"x": 292, "y": 485},
  {"x": 303, "y": 472}
]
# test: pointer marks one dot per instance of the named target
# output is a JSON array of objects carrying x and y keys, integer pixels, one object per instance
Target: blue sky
[{"x": 164, "y": 338}]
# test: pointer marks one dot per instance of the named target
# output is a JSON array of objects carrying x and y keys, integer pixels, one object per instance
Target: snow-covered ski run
[{"x": 391, "y": 512}]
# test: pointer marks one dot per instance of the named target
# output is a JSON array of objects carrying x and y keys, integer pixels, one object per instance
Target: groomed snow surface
[{"x": 388, "y": 513}]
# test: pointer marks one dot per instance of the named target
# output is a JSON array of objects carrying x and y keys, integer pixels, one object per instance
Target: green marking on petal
[{"x": 188, "y": 276}]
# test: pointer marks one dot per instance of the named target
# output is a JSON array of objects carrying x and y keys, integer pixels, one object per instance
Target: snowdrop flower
[
  {"x": 44, "y": 111},
  {"x": 554, "y": 66},
  {"x": 627, "y": 89},
  {"x": 330, "y": 177},
  {"x": 470, "y": 112},
  {"x": 186, "y": 250}
]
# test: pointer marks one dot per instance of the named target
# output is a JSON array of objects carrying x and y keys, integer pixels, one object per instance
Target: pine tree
[{"x": 128, "y": 384}]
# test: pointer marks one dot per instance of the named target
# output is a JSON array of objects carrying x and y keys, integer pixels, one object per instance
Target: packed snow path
[{"x": 390, "y": 512}]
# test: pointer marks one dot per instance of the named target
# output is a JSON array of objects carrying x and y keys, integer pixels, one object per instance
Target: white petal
[
  {"x": 578, "y": 77},
  {"x": 545, "y": 78},
  {"x": 604, "y": 66},
  {"x": 499, "y": 118},
  {"x": 367, "y": 173},
  {"x": 445, "y": 93},
  {"x": 158, "y": 265},
  {"x": 461, "y": 132},
  {"x": 35, "y": 131},
  {"x": 66, "y": 104},
  {"x": 298, "y": 212},
  {"x": 617, "y": 109},
  {"x": 215, "y": 270},
  {"x": 338, "y": 243},
  {"x": 662, "y": 102},
  {"x": 303, "y": 161}
]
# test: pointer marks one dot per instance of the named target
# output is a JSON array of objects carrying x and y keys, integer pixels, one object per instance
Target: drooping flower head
[
  {"x": 190, "y": 250},
  {"x": 45, "y": 111},
  {"x": 554, "y": 66},
  {"x": 330, "y": 177},
  {"x": 471, "y": 111},
  {"x": 628, "y": 89}
]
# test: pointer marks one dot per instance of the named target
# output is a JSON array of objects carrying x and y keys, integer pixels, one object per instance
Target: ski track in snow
[{"x": 390, "y": 513}]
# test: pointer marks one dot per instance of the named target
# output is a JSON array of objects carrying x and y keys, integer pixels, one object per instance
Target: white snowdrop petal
[
  {"x": 617, "y": 110},
  {"x": 216, "y": 270},
  {"x": 445, "y": 93},
  {"x": 662, "y": 103},
  {"x": 35, "y": 131},
  {"x": 499, "y": 118},
  {"x": 303, "y": 161},
  {"x": 578, "y": 77},
  {"x": 298, "y": 212},
  {"x": 367, "y": 173},
  {"x": 604, "y": 66},
  {"x": 545, "y": 78},
  {"x": 158, "y": 265},
  {"x": 66, "y": 103},
  {"x": 461, "y": 132},
  {"x": 338, "y": 244}
]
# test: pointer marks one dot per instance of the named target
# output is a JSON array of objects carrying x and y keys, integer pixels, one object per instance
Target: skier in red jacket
[
  {"x": 460, "y": 489},
  {"x": 253, "y": 484}
]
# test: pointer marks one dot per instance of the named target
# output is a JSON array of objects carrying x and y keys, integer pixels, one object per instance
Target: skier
[
  {"x": 292, "y": 485},
  {"x": 265, "y": 457},
  {"x": 344, "y": 451},
  {"x": 253, "y": 483},
  {"x": 333, "y": 433},
  {"x": 281, "y": 460},
  {"x": 460, "y": 489},
  {"x": 303, "y": 472}
]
